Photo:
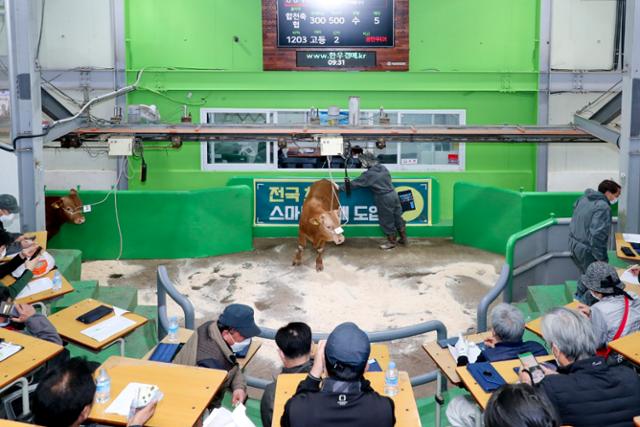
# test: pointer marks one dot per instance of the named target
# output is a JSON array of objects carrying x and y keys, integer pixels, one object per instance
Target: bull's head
[
  {"x": 70, "y": 207},
  {"x": 329, "y": 225}
]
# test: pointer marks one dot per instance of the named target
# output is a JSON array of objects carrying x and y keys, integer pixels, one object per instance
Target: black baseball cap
[
  {"x": 348, "y": 345},
  {"x": 9, "y": 203},
  {"x": 240, "y": 318}
]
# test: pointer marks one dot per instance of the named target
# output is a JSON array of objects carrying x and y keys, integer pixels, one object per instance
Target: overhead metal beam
[
  {"x": 609, "y": 111},
  {"x": 583, "y": 81},
  {"x": 64, "y": 128},
  {"x": 52, "y": 107},
  {"x": 467, "y": 134},
  {"x": 26, "y": 112},
  {"x": 596, "y": 129},
  {"x": 629, "y": 210}
]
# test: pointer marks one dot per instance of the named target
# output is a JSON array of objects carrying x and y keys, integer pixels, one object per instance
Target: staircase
[{"x": 139, "y": 342}]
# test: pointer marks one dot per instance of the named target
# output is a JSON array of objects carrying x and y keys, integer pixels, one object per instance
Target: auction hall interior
[{"x": 320, "y": 213}]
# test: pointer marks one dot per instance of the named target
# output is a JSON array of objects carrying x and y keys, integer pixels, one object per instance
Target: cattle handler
[{"x": 378, "y": 179}]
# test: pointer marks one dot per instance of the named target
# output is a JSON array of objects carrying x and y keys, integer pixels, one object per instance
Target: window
[{"x": 251, "y": 154}]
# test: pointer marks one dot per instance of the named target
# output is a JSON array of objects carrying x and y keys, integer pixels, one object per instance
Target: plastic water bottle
[
  {"x": 173, "y": 329},
  {"x": 391, "y": 380},
  {"x": 57, "y": 281},
  {"x": 103, "y": 387}
]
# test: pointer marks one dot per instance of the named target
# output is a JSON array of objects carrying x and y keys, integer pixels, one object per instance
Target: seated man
[
  {"x": 65, "y": 395},
  {"x": 294, "y": 348},
  {"x": 617, "y": 313},
  {"x": 585, "y": 391},
  {"x": 345, "y": 397},
  {"x": 219, "y": 340},
  {"x": 507, "y": 328}
]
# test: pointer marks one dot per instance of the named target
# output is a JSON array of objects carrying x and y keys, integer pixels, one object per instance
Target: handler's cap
[
  {"x": 348, "y": 345},
  {"x": 602, "y": 277},
  {"x": 240, "y": 318},
  {"x": 9, "y": 203},
  {"x": 368, "y": 159}
]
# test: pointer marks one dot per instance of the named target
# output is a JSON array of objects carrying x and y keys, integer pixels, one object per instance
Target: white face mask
[
  {"x": 7, "y": 219},
  {"x": 594, "y": 295},
  {"x": 3, "y": 252},
  {"x": 237, "y": 347},
  {"x": 614, "y": 201}
]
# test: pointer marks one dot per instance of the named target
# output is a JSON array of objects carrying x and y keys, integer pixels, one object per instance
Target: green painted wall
[
  {"x": 465, "y": 54},
  {"x": 161, "y": 224},
  {"x": 485, "y": 217}
]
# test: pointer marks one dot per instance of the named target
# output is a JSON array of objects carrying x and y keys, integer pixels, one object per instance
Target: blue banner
[{"x": 279, "y": 202}]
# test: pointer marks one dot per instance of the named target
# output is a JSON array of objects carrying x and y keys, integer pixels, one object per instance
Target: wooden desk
[
  {"x": 628, "y": 346},
  {"x": 620, "y": 243},
  {"x": 444, "y": 360},
  {"x": 406, "y": 410},
  {"x": 187, "y": 390},
  {"x": 41, "y": 240},
  {"x": 41, "y": 296},
  {"x": 69, "y": 328},
  {"x": 35, "y": 352},
  {"x": 505, "y": 369},
  {"x": 256, "y": 343},
  {"x": 380, "y": 352},
  {"x": 535, "y": 325}
]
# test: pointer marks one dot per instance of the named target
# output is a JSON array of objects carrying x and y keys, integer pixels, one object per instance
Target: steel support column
[
  {"x": 629, "y": 211},
  {"x": 120, "y": 79},
  {"x": 26, "y": 111},
  {"x": 544, "y": 47}
]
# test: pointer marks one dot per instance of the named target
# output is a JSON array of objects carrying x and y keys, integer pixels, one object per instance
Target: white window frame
[{"x": 272, "y": 154}]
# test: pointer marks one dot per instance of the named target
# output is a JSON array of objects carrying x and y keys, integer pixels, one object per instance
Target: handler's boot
[
  {"x": 389, "y": 244},
  {"x": 403, "y": 240}
]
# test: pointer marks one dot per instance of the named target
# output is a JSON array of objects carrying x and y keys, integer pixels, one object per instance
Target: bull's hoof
[
  {"x": 296, "y": 263},
  {"x": 319, "y": 267}
]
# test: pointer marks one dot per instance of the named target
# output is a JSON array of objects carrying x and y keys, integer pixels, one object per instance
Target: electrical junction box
[
  {"x": 120, "y": 146},
  {"x": 331, "y": 145}
]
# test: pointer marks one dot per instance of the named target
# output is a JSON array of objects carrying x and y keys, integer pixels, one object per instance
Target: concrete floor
[{"x": 378, "y": 290}]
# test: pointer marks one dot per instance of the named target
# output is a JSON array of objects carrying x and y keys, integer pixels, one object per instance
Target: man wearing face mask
[
  {"x": 590, "y": 229},
  {"x": 9, "y": 210},
  {"x": 219, "y": 341},
  {"x": 24, "y": 257}
]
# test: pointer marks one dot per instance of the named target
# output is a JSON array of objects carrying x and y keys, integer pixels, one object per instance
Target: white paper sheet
[
  {"x": 7, "y": 350},
  {"x": 119, "y": 311},
  {"x": 222, "y": 417},
  {"x": 121, "y": 405},
  {"x": 35, "y": 287},
  {"x": 108, "y": 328},
  {"x": 628, "y": 277},
  {"x": 631, "y": 238},
  {"x": 464, "y": 346}
]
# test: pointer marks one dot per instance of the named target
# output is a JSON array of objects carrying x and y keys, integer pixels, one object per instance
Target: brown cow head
[
  {"x": 70, "y": 207},
  {"x": 327, "y": 223}
]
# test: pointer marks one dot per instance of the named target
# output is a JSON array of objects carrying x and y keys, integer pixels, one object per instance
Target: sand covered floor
[{"x": 378, "y": 290}]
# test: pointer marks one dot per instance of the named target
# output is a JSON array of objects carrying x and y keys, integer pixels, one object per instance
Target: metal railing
[
  {"x": 165, "y": 286},
  {"x": 545, "y": 245}
]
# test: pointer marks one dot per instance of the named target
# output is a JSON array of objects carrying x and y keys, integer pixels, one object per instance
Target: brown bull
[
  {"x": 63, "y": 209},
  {"x": 319, "y": 220}
]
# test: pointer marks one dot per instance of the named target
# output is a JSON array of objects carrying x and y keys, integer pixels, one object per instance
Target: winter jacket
[
  {"x": 510, "y": 351},
  {"x": 313, "y": 406},
  {"x": 213, "y": 352},
  {"x": 377, "y": 178},
  {"x": 269, "y": 395},
  {"x": 8, "y": 267},
  {"x": 590, "y": 228},
  {"x": 606, "y": 316},
  {"x": 589, "y": 393}
]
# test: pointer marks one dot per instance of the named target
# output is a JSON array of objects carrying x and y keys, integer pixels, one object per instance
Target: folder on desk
[
  {"x": 8, "y": 349},
  {"x": 486, "y": 376},
  {"x": 107, "y": 328},
  {"x": 35, "y": 287}
]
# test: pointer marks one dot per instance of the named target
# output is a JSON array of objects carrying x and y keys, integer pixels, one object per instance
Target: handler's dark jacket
[
  {"x": 311, "y": 406},
  {"x": 213, "y": 352},
  {"x": 589, "y": 393},
  {"x": 590, "y": 228}
]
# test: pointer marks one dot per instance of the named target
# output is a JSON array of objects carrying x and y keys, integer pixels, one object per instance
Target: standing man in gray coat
[
  {"x": 378, "y": 179},
  {"x": 590, "y": 229}
]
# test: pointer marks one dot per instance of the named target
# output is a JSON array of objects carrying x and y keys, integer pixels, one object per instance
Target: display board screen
[
  {"x": 335, "y": 59},
  {"x": 335, "y": 23}
]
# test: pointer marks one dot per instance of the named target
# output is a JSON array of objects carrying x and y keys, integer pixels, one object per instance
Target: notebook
[
  {"x": 7, "y": 350},
  {"x": 486, "y": 376}
]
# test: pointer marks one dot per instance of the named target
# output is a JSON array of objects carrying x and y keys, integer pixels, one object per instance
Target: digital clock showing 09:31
[{"x": 335, "y": 23}]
